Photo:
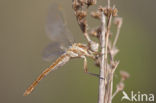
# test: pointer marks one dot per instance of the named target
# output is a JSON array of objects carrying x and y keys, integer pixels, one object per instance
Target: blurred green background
[{"x": 22, "y": 39}]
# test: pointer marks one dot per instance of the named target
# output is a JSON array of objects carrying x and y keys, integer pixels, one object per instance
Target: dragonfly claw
[{"x": 96, "y": 75}]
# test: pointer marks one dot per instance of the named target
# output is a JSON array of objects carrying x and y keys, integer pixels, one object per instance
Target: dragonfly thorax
[
  {"x": 93, "y": 46},
  {"x": 78, "y": 50}
]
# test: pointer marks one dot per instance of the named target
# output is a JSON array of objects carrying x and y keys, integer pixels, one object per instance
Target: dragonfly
[{"x": 61, "y": 37}]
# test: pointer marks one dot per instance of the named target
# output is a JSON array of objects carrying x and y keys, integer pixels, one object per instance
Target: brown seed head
[
  {"x": 115, "y": 12},
  {"x": 81, "y": 14},
  {"x": 91, "y": 2},
  {"x": 109, "y": 11},
  {"x": 124, "y": 75},
  {"x": 82, "y": 2},
  {"x": 96, "y": 15},
  {"x": 83, "y": 25},
  {"x": 118, "y": 21},
  {"x": 93, "y": 33},
  {"x": 100, "y": 8},
  {"x": 76, "y": 5}
]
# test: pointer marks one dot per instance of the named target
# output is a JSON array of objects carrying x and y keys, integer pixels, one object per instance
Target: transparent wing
[
  {"x": 52, "y": 52},
  {"x": 56, "y": 28},
  {"x": 58, "y": 32}
]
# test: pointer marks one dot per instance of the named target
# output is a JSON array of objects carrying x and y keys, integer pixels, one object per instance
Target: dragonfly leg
[
  {"x": 85, "y": 64},
  {"x": 86, "y": 69}
]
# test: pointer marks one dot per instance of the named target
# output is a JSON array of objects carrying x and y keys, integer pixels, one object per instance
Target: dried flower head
[
  {"x": 91, "y": 2},
  {"x": 82, "y": 2},
  {"x": 95, "y": 32},
  {"x": 118, "y": 22},
  {"x": 114, "y": 51},
  {"x": 80, "y": 14},
  {"x": 100, "y": 8},
  {"x": 109, "y": 11},
  {"x": 115, "y": 12},
  {"x": 96, "y": 15},
  {"x": 83, "y": 25},
  {"x": 76, "y": 5},
  {"x": 124, "y": 75}
]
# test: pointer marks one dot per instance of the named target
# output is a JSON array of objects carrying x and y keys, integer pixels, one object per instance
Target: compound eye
[{"x": 94, "y": 46}]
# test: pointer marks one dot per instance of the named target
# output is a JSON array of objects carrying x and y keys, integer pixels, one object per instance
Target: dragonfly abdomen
[{"x": 59, "y": 62}]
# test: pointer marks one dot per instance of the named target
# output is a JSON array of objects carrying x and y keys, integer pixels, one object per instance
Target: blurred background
[{"x": 22, "y": 39}]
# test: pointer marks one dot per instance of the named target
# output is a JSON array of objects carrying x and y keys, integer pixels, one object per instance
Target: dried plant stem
[
  {"x": 107, "y": 35},
  {"x": 111, "y": 90},
  {"x": 115, "y": 93},
  {"x": 109, "y": 82},
  {"x": 116, "y": 37},
  {"x": 105, "y": 58},
  {"x": 102, "y": 67}
]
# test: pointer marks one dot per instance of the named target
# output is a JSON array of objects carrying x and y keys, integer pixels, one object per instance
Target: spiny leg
[{"x": 86, "y": 69}]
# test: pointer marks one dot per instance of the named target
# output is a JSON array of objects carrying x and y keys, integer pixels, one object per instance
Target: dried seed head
[
  {"x": 120, "y": 86},
  {"x": 83, "y": 25},
  {"x": 81, "y": 14},
  {"x": 82, "y": 2},
  {"x": 100, "y": 8},
  {"x": 93, "y": 33},
  {"x": 124, "y": 75},
  {"x": 114, "y": 51},
  {"x": 115, "y": 12},
  {"x": 96, "y": 15},
  {"x": 91, "y": 2},
  {"x": 118, "y": 21},
  {"x": 108, "y": 11},
  {"x": 76, "y": 5},
  {"x": 96, "y": 32}
]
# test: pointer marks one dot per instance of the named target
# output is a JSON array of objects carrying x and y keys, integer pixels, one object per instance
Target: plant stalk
[{"x": 102, "y": 66}]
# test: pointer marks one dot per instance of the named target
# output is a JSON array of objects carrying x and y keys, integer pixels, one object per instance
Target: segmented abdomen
[{"x": 59, "y": 62}]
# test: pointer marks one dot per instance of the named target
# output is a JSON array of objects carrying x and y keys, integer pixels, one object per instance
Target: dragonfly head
[{"x": 93, "y": 46}]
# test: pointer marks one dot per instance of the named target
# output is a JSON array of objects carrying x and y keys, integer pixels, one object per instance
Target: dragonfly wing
[
  {"x": 55, "y": 26},
  {"x": 52, "y": 52}
]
